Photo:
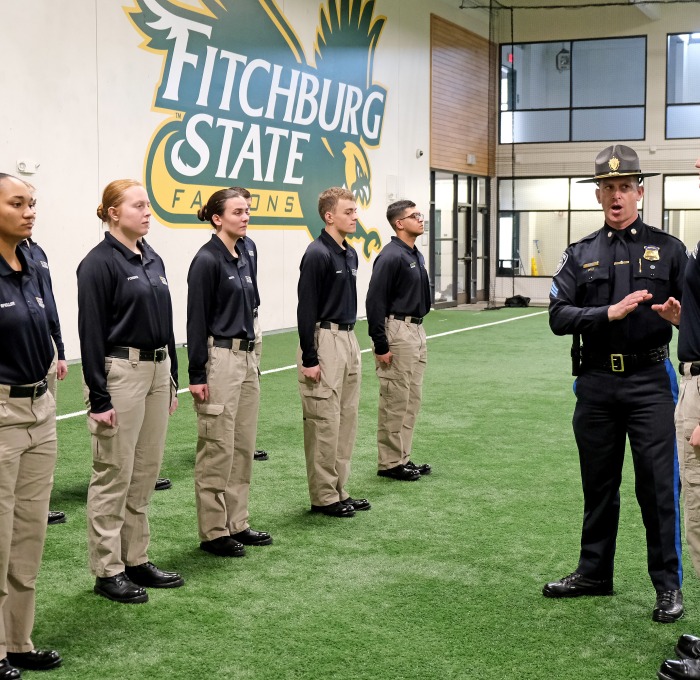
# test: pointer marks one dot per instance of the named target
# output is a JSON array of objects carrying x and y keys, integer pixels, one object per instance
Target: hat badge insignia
[{"x": 614, "y": 164}]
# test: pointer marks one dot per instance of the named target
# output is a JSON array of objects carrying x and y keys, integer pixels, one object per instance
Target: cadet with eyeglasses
[{"x": 397, "y": 300}]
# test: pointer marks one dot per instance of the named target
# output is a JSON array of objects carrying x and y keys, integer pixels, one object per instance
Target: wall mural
[{"x": 247, "y": 107}]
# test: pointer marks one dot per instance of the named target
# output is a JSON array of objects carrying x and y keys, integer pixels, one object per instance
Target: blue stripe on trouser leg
[{"x": 673, "y": 381}]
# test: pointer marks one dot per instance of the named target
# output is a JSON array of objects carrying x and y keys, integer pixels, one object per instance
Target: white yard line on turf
[{"x": 364, "y": 351}]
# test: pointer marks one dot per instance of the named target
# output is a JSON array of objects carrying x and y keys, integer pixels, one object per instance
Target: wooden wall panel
[{"x": 462, "y": 110}]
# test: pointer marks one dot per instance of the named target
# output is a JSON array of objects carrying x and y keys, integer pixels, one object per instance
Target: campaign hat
[{"x": 617, "y": 161}]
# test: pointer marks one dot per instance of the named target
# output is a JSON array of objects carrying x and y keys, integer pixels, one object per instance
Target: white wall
[{"x": 78, "y": 91}]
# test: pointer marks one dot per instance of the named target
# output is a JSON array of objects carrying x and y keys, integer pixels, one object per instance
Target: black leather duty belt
[
  {"x": 626, "y": 363},
  {"x": 155, "y": 355},
  {"x": 328, "y": 325},
  {"x": 29, "y": 391},
  {"x": 418, "y": 320},
  {"x": 693, "y": 367},
  {"x": 230, "y": 343}
]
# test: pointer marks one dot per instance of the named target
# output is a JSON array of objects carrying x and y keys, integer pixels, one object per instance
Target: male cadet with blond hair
[
  {"x": 397, "y": 300},
  {"x": 328, "y": 359},
  {"x": 614, "y": 288}
]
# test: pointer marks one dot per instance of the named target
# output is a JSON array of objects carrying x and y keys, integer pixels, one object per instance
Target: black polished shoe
[
  {"x": 119, "y": 588},
  {"x": 688, "y": 647},
  {"x": 224, "y": 546},
  {"x": 147, "y": 575},
  {"x": 424, "y": 469},
  {"x": 56, "y": 517},
  {"x": 357, "y": 504},
  {"x": 36, "y": 660},
  {"x": 335, "y": 510},
  {"x": 259, "y": 454},
  {"x": 687, "y": 669},
  {"x": 576, "y": 585},
  {"x": 163, "y": 483},
  {"x": 8, "y": 672},
  {"x": 400, "y": 472},
  {"x": 251, "y": 537},
  {"x": 668, "y": 607}
]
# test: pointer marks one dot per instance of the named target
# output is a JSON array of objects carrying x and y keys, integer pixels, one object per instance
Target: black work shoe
[
  {"x": 335, "y": 510},
  {"x": 259, "y": 454},
  {"x": 424, "y": 469},
  {"x": 147, "y": 575},
  {"x": 357, "y": 504},
  {"x": 688, "y": 647},
  {"x": 575, "y": 585},
  {"x": 8, "y": 672},
  {"x": 224, "y": 546},
  {"x": 119, "y": 588},
  {"x": 251, "y": 537},
  {"x": 400, "y": 472},
  {"x": 687, "y": 669},
  {"x": 668, "y": 607},
  {"x": 163, "y": 483},
  {"x": 36, "y": 660},
  {"x": 56, "y": 517}
]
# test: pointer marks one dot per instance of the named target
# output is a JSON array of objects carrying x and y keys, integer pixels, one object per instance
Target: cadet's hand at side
[
  {"x": 313, "y": 373},
  {"x": 695, "y": 437},
  {"x": 669, "y": 310},
  {"x": 106, "y": 418},
  {"x": 200, "y": 393},
  {"x": 385, "y": 358},
  {"x": 61, "y": 369},
  {"x": 628, "y": 304}
]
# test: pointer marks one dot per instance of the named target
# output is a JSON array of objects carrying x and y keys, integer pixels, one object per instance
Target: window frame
[{"x": 572, "y": 108}]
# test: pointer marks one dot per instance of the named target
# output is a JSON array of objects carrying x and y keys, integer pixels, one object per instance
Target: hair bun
[
  {"x": 202, "y": 214},
  {"x": 100, "y": 212}
]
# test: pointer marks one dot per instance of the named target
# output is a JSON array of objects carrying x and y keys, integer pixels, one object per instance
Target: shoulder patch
[{"x": 562, "y": 262}]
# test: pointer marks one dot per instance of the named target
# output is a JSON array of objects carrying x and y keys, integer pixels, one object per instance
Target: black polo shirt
[
  {"x": 327, "y": 290},
  {"x": 36, "y": 253},
  {"x": 251, "y": 251},
  {"x": 123, "y": 301},
  {"x": 399, "y": 285},
  {"x": 221, "y": 296},
  {"x": 689, "y": 331},
  {"x": 604, "y": 267},
  {"x": 26, "y": 351}
]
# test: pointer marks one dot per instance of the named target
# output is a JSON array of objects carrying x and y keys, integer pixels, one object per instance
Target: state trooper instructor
[{"x": 604, "y": 289}]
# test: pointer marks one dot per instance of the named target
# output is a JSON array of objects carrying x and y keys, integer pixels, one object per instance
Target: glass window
[
  {"x": 682, "y": 208},
  {"x": 683, "y": 86},
  {"x": 538, "y": 218},
  {"x": 566, "y": 91}
]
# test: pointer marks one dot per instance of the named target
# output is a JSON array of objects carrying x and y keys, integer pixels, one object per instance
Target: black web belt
[{"x": 625, "y": 363}]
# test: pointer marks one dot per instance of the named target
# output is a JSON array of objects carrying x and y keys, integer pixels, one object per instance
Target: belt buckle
[
  {"x": 251, "y": 345},
  {"x": 617, "y": 363},
  {"x": 37, "y": 387},
  {"x": 158, "y": 355}
]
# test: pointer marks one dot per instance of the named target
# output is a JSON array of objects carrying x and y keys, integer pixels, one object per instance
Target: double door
[{"x": 459, "y": 238}]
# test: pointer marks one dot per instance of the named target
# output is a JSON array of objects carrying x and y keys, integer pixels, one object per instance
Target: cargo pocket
[
  {"x": 103, "y": 444},
  {"x": 209, "y": 421}
]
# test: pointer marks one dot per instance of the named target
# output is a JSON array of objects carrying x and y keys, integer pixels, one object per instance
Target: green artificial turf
[{"x": 441, "y": 579}]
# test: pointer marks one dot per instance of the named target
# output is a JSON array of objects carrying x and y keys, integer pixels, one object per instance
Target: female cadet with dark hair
[
  {"x": 27, "y": 433},
  {"x": 125, "y": 324},
  {"x": 224, "y": 378}
]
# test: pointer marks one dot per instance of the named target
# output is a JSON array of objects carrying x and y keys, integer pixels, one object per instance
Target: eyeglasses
[{"x": 414, "y": 216}]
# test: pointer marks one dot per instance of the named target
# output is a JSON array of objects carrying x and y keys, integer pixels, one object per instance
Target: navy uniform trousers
[{"x": 639, "y": 405}]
